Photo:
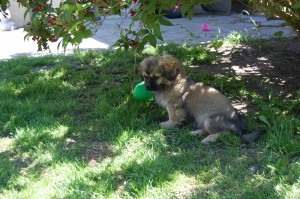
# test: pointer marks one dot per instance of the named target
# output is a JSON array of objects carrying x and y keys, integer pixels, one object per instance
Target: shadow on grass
[
  {"x": 217, "y": 176},
  {"x": 272, "y": 67},
  {"x": 72, "y": 111},
  {"x": 82, "y": 112}
]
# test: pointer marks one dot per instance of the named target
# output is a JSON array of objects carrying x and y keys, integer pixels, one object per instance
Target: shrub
[{"x": 288, "y": 10}]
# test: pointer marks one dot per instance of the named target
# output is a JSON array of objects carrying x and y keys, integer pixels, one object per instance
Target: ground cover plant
[{"x": 69, "y": 128}]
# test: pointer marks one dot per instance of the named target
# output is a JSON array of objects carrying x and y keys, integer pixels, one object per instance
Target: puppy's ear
[
  {"x": 138, "y": 71},
  {"x": 147, "y": 65},
  {"x": 171, "y": 66}
]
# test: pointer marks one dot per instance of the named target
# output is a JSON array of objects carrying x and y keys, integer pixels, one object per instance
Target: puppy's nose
[{"x": 148, "y": 86}]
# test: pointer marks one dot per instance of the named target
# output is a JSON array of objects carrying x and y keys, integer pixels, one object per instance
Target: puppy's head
[{"x": 159, "y": 72}]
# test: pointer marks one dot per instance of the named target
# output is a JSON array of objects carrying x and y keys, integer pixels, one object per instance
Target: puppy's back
[{"x": 206, "y": 100}]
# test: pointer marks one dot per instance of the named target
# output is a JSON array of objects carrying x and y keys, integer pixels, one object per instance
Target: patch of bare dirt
[
  {"x": 93, "y": 153},
  {"x": 274, "y": 66},
  {"x": 96, "y": 152}
]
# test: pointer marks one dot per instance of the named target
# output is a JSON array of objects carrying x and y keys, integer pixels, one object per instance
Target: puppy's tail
[{"x": 247, "y": 138}]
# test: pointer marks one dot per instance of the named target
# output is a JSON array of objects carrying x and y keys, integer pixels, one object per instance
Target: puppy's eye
[{"x": 157, "y": 76}]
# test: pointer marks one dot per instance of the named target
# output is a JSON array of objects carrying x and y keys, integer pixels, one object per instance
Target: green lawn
[{"x": 69, "y": 128}]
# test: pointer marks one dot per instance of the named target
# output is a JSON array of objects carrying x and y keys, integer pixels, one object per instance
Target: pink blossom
[{"x": 205, "y": 27}]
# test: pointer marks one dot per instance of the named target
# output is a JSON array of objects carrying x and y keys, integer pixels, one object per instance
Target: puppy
[{"x": 186, "y": 100}]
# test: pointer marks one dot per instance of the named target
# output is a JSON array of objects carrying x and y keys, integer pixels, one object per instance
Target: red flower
[
  {"x": 134, "y": 1},
  {"x": 133, "y": 42},
  {"x": 35, "y": 38},
  {"x": 51, "y": 20},
  {"x": 132, "y": 13},
  {"x": 53, "y": 38}
]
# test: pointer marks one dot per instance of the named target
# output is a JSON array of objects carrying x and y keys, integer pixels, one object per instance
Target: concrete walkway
[{"x": 12, "y": 43}]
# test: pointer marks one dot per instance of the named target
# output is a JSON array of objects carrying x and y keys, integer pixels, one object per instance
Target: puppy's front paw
[
  {"x": 199, "y": 132},
  {"x": 168, "y": 124},
  {"x": 210, "y": 139},
  {"x": 206, "y": 141}
]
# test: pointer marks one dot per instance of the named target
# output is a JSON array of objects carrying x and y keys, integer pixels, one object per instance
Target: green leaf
[
  {"x": 66, "y": 41},
  {"x": 164, "y": 21},
  {"x": 151, "y": 39},
  {"x": 57, "y": 30},
  {"x": 143, "y": 32},
  {"x": 278, "y": 34},
  {"x": 59, "y": 44},
  {"x": 203, "y": 2},
  {"x": 190, "y": 12},
  {"x": 144, "y": 18},
  {"x": 157, "y": 32},
  {"x": 135, "y": 18},
  {"x": 192, "y": 34},
  {"x": 79, "y": 7},
  {"x": 36, "y": 21},
  {"x": 75, "y": 26},
  {"x": 70, "y": 12},
  {"x": 64, "y": 15},
  {"x": 78, "y": 37},
  {"x": 264, "y": 119},
  {"x": 26, "y": 13},
  {"x": 152, "y": 5},
  {"x": 87, "y": 34},
  {"x": 64, "y": 6},
  {"x": 218, "y": 44},
  {"x": 184, "y": 8},
  {"x": 27, "y": 36},
  {"x": 50, "y": 9},
  {"x": 296, "y": 6}
]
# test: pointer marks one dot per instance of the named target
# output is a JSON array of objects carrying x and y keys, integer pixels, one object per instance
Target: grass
[{"x": 69, "y": 128}]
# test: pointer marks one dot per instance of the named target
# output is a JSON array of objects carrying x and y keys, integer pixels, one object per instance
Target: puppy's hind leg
[
  {"x": 199, "y": 132},
  {"x": 215, "y": 126},
  {"x": 213, "y": 137},
  {"x": 176, "y": 117},
  {"x": 167, "y": 124}
]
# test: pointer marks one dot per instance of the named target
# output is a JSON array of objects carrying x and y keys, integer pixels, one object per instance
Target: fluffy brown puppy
[{"x": 186, "y": 100}]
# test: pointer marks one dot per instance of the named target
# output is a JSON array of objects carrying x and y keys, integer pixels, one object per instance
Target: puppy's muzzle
[{"x": 152, "y": 86}]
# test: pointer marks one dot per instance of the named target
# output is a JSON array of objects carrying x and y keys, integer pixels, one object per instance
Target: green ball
[{"x": 140, "y": 92}]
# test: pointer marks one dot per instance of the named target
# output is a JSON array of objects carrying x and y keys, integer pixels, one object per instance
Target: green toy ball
[{"x": 140, "y": 92}]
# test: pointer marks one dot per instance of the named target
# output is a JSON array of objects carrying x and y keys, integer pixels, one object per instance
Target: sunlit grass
[{"x": 69, "y": 128}]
